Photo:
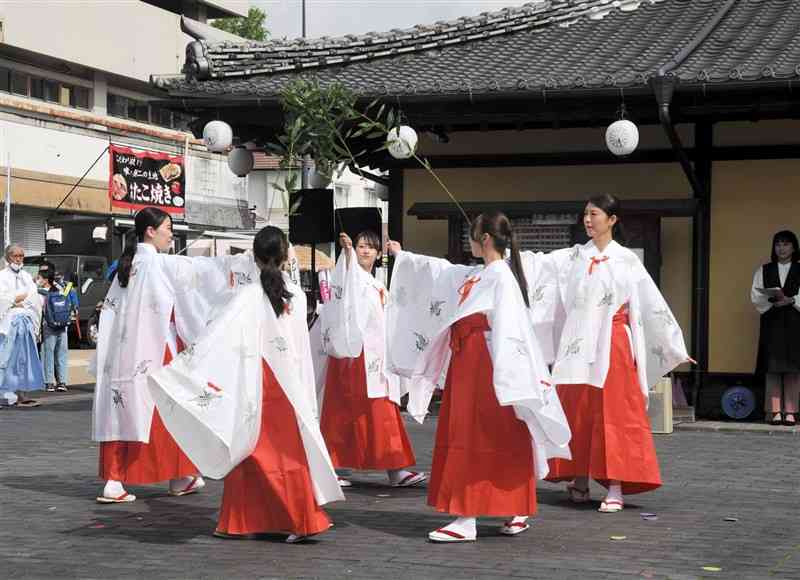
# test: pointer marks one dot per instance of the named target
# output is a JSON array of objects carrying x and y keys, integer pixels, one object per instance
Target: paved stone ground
[{"x": 50, "y": 525}]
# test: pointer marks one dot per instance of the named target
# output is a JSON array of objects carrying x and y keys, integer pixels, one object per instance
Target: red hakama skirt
[
  {"x": 483, "y": 457},
  {"x": 361, "y": 432},
  {"x": 271, "y": 490},
  {"x": 137, "y": 463},
  {"x": 611, "y": 435}
]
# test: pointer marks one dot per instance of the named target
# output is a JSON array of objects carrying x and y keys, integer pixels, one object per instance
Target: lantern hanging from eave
[
  {"x": 240, "y": 161},
  {"x": 402, "y": 142},
  {"x": 217, "y": 136}
]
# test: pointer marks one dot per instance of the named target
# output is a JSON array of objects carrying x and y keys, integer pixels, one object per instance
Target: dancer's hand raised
[{"x": 393, "y": 247}]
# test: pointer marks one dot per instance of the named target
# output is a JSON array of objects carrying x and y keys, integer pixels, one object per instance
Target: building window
[
  {"x": 50, "y": 91},
  {"x": 80, "y": 97},
  {"x": 37, "y": 88},
  {"x": 19, "y": 83},
  {"x": 128, "y": 108},
  {"x": 5, "y": 79}
]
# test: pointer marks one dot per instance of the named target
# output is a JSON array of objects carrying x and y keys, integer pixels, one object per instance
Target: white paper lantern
[
  {"x": 402, "y": 142},
  {"x": 217, "y": 136},
  {"x": 241, "y": 161},
  {"x": 622, "y": 137}
]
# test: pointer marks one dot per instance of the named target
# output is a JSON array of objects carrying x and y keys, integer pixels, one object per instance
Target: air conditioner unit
[
  {"x": 100, "y": 234},
  {"x": 54, "y": 236},
  {"x": 660, "y": 407}
]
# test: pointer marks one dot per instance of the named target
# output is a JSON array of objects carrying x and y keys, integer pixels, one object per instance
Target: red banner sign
[{"x": 145, "y": 178}]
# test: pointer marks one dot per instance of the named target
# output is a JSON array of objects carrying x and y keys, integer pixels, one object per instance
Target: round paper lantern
[
  {"x": 622, "y": 137},
  {"x": 402, "y": 142},
  {"x": 217, "y": 136},
  {"x": 240, "y": 161}
]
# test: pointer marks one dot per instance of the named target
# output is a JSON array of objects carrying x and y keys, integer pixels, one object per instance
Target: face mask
[{"x": 15, "y": 267}]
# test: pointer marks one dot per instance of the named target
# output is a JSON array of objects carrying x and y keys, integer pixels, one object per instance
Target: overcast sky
[{"x": 340, "y": 17}]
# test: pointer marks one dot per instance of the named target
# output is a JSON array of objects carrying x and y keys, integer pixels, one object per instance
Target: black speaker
[
  {"x": 354, "y": 220},
  {"x": 311, "y": 216}
]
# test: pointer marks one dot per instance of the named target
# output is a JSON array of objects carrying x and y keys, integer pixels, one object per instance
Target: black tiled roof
[{"x": 546, "y": 45}]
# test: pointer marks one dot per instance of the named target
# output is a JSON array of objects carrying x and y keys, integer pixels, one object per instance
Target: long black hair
[
  {"x": 271, "y": 249},
  {"x": 498, "y": 226},
  {"x": 147, "y": 217},
  {"x": 785, "y": 236},
  {"x": 611, "y": 206}
]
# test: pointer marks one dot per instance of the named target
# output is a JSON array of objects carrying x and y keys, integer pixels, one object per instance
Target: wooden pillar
[
  {"x": 701, "y": 263},
  {"x": 396, "y": 210}
]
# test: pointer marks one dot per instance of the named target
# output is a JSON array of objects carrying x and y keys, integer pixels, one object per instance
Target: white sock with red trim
[
  {"x": 113, "y": 488},
  {"x": 614, "y": 492}
]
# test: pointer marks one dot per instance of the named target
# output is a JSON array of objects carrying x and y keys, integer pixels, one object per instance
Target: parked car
[{"x": 87, "y": 274}]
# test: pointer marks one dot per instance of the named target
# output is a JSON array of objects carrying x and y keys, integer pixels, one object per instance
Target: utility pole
[{"x": 303, "y": 25}]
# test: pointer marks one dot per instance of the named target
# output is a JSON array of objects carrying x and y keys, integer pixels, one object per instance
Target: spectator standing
[
  {"x": 775, "y": 288},
  {"x": 20, "y": 319},
  {"x": 57, "y": 316}
]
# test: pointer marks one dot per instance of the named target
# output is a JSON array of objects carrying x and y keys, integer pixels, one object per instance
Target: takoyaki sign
[{"x": 145, "y": 178}]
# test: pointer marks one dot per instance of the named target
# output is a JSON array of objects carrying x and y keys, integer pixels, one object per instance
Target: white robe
[
  {"x": 135, "y": 327},
  {"x": 581, "y": 296},
  {"x": 354, "y": 320},
  {"x": 209, "y": 397},
  {"x": 11, "y": 284},
  {"x": 424, "y": 304}
]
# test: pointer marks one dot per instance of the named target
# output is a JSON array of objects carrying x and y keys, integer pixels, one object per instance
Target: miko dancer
[
  {"x": 156, "y": 305},
  {"x": 361, "y": 419},
  {"x": 619, "y": 337},
  {"x": 241, "y": 402},
  {"x": 500, "y": 418}
]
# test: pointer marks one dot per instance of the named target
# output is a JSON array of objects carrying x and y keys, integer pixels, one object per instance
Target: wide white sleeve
[
  {"x": 202, "y": 286},
  {"x": 760, "y": 301},
  {"x": 344, "y": 317},
  {"x": 663, "y": 338},
  {"x": 422, "y": 300},
  {"x": 209, "y": 397},
  {"x": 301, "y": 338},
  {"x": 541, "y": 275}
]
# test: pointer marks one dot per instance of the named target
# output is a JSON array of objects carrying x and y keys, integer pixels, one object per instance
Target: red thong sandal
[
  {"x": 512, "y": 528},
  {"x": 443, "y": 535},
  {"x": 194, "y": 486},
  {"x": 124, "y": 497},
  {"x": 413, "y": 478}
]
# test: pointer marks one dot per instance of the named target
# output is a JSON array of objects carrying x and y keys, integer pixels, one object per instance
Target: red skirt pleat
[
  {"x": 272, "y": 491},
  {"x": 483, "y": 457},
  {"x": 139, "y": 463},
  {"x": 611, "y": 435},
  {"x": 360, "y": 432}
]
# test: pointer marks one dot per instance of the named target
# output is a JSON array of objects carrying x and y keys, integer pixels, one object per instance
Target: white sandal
[
  {"x": 124, "y": 497},
  {"x": 512, "y": 528},
  {"x": 344, "y": 482},
  {"x": 611, "y": 506},
  {"x": 413, "y": 478},
  {"x": 194, "y": 486}
]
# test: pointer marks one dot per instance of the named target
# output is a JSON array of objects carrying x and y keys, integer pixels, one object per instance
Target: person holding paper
[{"x": 775, "y": 287}]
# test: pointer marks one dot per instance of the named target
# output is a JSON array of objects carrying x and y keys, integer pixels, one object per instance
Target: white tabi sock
[
  {"x": 614, "y": 492},
  {"x": 113, "y": 488},
  {"x": 463, "y": 526},
  {"x": 184, "y": 482},
  {"x": 397, "y": 475}
]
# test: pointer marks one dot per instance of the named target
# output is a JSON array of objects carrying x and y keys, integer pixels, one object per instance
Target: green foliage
[{"x": 250, "y": 26}]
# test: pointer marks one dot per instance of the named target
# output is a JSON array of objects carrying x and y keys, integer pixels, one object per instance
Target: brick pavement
[{"x": 50, "y": 525}]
